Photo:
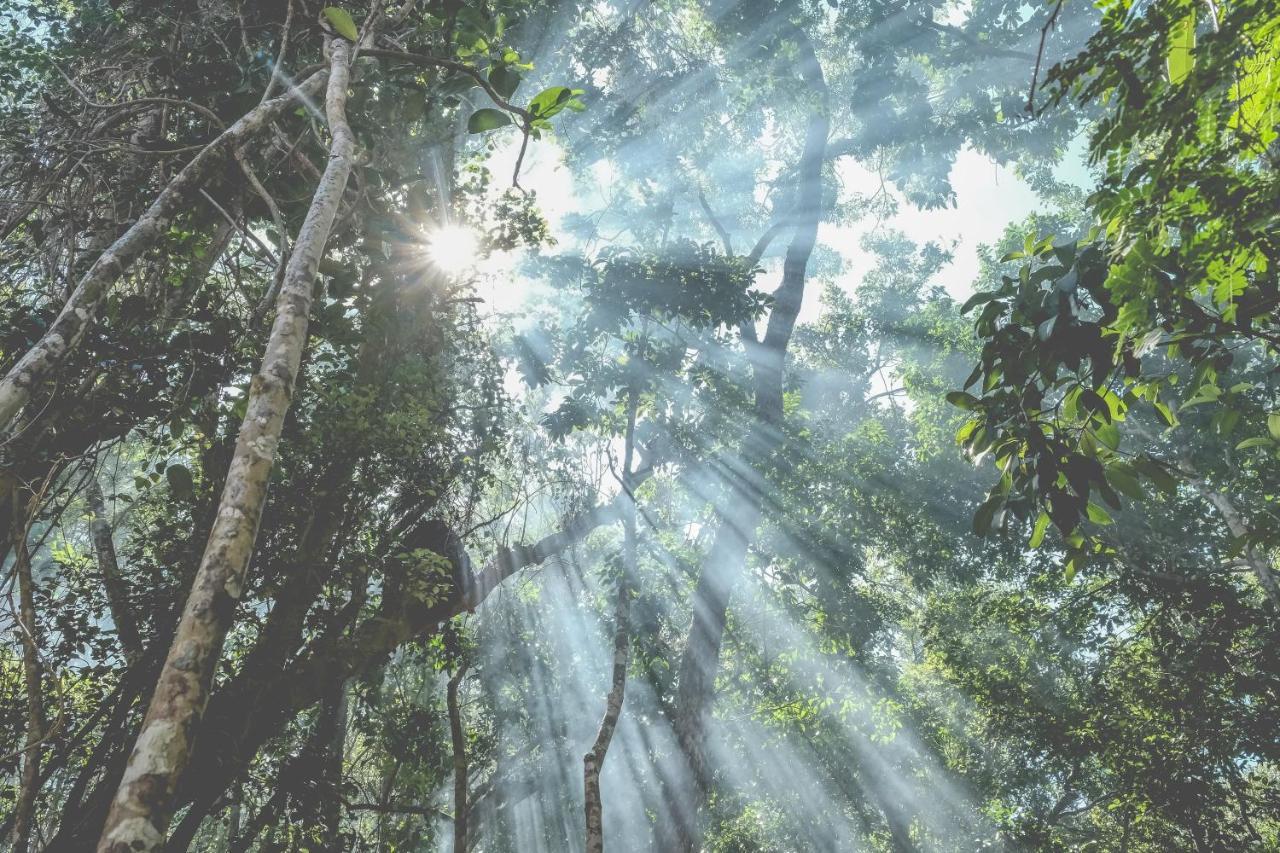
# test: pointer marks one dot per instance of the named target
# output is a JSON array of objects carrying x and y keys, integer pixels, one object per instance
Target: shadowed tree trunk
[
  {"x": 458, "y": 739},
  {"x": 140, "y": 811},
  {"x": 29, "y": 781},
  {"x": 114, "y": 586},
  {"x": 332, "y": 736},
  {"x": 741, "y": 513},
  {"x": 593, "y": 761}
]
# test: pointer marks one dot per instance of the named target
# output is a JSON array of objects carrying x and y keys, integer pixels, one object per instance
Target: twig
[
  {"x": 1035, "y": 75},
  {"x": 244, "y": 232}
]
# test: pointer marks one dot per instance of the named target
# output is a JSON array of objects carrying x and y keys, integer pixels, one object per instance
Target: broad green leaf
[
  {"x": 1037, "y": 534},
  {"x": 1182, "y": 44},
  {"x": 1256, "y": 441},
  {"x": 550, "y": 101},
  {"x": 1097, "y": 514},
  {"x": 1109, "y": 435},
  {"x": 1124, "y": 481},
  {"x": 340, "y": 20},
  {"x": 1273, "y": 425},
  {"x": 962, "y": 400},
  {"x": 487, "y": 119},
  {"x": 986, "y": 514},
  {"x": 504, "y": 80}
]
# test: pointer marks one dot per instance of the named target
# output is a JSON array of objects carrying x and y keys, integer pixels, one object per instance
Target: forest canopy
[{"x": 750, "y": 425}]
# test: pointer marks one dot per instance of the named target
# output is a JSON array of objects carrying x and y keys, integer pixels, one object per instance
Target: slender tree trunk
[
  {"x": 78, "y": 313},
  {"x": 459, "y": 739},
  {"x": 743, "y": 508},
  {"x": 389, "y": 773},
  {"x": 142, "y": 806},
  {"x": 233, "y": 820},
  {"x": 114, "y": 585},
  {"x": 1257, "y": 560},
  {"x": 332, "y": 736},
  {"x": 593, "y": 761},
  {"x": 29, "y": 782}
]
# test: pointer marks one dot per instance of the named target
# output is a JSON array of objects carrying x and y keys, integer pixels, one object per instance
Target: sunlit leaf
[
  {"x": 1037, "y": 534},
  {"x": 341, "y": 21},
  {"x": 1182, "y": 43}
]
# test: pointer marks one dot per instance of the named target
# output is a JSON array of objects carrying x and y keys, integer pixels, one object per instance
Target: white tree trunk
[
  {"x": 140, "y": 812},
  {"x": 77, "y": 314}
]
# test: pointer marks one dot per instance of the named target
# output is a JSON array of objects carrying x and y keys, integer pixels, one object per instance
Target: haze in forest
[{"x": 720, "y": 426}]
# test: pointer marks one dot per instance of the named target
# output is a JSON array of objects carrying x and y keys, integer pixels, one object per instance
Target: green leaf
[
  {"x": 1273, "y": 425},
  {"x": 504, "y": 80},
  {"x": 979, "y": 298},
  {"x": 550, "y": 101},
  {"x": 1108, "y": 434},
  {"x": 1257, "y": 441},
  {"x": 1097, "y": 514},
  {"x": 1037, "y": 534},
  {"x": 986, "y": 514},
  {"x": 1182, "y": 43},
  {"x": 340, "y": 20},
  {"x": 487, "y": 119},
  {"x": 962, "y": 400},
  {"x": 1070, "y": 573},
  {"x": 180, "y": 482},
  {"x": 1156, "y": 473},
  {"x": 1124, "y": 481}
]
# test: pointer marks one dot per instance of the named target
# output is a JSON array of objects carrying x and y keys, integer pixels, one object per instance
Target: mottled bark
[
  {"x": 112, "y": 584},
  {"x": 742, "y": 510},
  {"x": 29, "y": 781},
  {"x": 593, "y": 761},
  {"x": 142, "y": 806},
  {"x": 1256, "y": 560},
  {"x": 458, "y": 739},
  {"x": 78, "y": 312}
]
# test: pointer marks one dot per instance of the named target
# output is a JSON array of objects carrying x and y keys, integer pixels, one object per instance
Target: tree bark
[
  {"x": 116, "y": 590},
  {"x": 332, "y": 738},
  {"x": 142, "y": 807},
  {"x": 229, "y": 739},
  {"x": 459, "y": 741},
  {"x": 743, "y": 508},
  {"x": 64, "y": 334},
  {"x": 29, "y": 782},
  {"x": 593, "y": 761},
  {"x": 1257, "y": 560}
]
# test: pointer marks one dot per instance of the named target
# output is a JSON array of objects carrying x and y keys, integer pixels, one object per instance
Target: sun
[{"x": 452, "y": 249}]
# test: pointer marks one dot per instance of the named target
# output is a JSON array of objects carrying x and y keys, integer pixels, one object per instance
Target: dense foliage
[{"x": 525, "y": 426}]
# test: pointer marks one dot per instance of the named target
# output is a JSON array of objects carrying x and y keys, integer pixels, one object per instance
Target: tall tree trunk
[
  {"x": 332, "y": 739},
  {"x": 77, "y": 314},
  {"x": 743, "y": 508},
  {"x": 114, "y": 585},
  {"x": 142, "y": 806},
  {"x": 593, "y": 761},
  {"x": 29, "y": 782},
  {"x": 459, "y": 739}
]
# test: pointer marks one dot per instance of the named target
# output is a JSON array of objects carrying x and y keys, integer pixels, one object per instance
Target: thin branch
[{"x": 1035, "y": 75}]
